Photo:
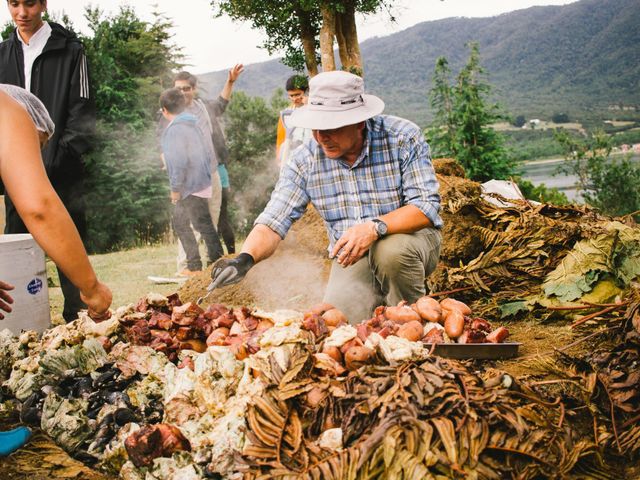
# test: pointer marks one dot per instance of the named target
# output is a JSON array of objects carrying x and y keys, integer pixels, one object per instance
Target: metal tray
[{"x": 475, "y": 350}]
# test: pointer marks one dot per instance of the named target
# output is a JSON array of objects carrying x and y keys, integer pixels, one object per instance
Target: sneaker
[{"x": 189, "y": 273}]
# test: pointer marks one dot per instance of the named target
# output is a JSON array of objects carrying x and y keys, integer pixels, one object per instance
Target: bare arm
[
  {"x": 358, "y": 239},
  {"x": 232, "y": 76},
  {"x": 26, "y": 182},
  {"x": 261, "y": 243}
]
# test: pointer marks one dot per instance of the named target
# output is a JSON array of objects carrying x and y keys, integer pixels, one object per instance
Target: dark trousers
[
  {"x": 195, "y": 211},
  {"x": 224, "y": 223},
  {"x": 72, "y": 196}
]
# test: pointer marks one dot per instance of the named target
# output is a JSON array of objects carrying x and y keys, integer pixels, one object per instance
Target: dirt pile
[{"x": 295, "y": 276}]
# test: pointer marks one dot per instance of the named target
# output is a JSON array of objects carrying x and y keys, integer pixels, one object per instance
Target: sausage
[
  {"x": 453, "y": 304},
  {"x": 454, "y": 324},
  {"x": 401, "y": 314},
  {"x": 498, "y": 335}
]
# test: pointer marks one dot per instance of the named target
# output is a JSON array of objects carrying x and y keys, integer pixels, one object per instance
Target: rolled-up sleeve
[
  {"x": 288, "y": 201},
  {"x": 420, "y": 186}
]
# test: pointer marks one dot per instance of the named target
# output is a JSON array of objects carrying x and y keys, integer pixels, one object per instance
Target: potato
[
  {"x": 401, "y": 314},
  {"x": 333, "y": 352},
  {"x": 454, "y": 324},
  {"x": 333, "y": 317},
  {"x": 320, "y": 308},
  {"x": 429, "y": 309},
  {"x": 356, "y": 356},
  {"x": 412, "y": 331},
  {"x": 453, "y": 304}
]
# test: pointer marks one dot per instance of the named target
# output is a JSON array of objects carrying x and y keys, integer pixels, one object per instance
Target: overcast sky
[{"x": 217, "y": 43}]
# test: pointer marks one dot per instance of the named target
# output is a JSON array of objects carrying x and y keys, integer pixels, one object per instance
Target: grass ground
[{"x": 126, "y": 274}]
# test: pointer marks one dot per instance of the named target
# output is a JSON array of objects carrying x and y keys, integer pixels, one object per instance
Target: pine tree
[
  {"x": 442, "y": 134},
  {"x": 463, "y": 121}
]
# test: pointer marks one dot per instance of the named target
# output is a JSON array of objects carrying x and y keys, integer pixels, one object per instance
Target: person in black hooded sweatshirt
[{"x": 49, "y": 61}]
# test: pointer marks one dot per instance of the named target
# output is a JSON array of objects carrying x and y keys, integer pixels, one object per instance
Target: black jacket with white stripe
[{"x": 60, "y": 79}]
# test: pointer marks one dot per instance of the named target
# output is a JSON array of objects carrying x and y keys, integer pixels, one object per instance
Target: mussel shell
[
  {"x": 122, "y": 416},
  {"x": 83, "y": 387}
]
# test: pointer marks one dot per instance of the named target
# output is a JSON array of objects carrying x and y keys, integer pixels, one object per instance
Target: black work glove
[{"x": 228, "y": 271}]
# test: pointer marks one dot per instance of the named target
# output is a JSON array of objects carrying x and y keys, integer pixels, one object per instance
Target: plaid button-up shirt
[{"x": 393, "y": 170}]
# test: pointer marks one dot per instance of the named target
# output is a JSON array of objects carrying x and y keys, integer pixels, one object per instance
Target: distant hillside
[{"x": 582, "y": 58}]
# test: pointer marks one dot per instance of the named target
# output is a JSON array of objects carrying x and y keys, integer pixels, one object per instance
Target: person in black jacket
[{"x": 49, "y": 61}]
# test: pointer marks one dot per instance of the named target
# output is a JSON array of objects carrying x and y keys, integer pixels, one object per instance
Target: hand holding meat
[
  {"x": 354, "y": 243},
  {"x": 5, "y": 298},
  {"x": 98, "y": 301},
  {"x": 229, "y": 271}
]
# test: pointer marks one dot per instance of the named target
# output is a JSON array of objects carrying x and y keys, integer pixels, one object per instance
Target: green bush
[
  {"x": 127, "y": 192},
  {"x": 541, "y": 193},
  {"x": 605, "y": 182},
  {"x": 250, "y": 128}
]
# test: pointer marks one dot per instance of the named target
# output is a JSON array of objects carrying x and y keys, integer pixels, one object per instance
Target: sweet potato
[
  {"x": 454, "y": 324},
  {"x": 411, "y": 331},
  {"x": 429, "y": 309},
  {"x": 334, "y": 317},
  {"x": 453, "y": 304},
  {"x": 401, "y": 314},
  {"x": 355, "y": 357}
]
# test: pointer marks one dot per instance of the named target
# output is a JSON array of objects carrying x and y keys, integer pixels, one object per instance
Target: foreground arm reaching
[{"x": 25, "y": 180}]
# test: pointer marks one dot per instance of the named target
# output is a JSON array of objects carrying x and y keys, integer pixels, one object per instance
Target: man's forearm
[
  {"x": 407, "y": 219},
  {"x": 261, "y": 243}
]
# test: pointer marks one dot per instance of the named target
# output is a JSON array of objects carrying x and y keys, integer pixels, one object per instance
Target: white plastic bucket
[{"x": 22, "y": 265}]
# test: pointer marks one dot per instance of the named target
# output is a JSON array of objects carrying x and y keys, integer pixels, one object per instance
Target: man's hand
[
  {"x": 98, "y": 301},
  {"x": 228, "y": 271},
  {"x": 235, "y": 72},
  {"x": 354, "y": 243},
  {"x": 5, "y": 298},
  {"x": 175, "y": 196}
]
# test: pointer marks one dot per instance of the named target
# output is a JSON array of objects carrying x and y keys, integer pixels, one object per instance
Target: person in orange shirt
[{"x": 289, "y": 138}]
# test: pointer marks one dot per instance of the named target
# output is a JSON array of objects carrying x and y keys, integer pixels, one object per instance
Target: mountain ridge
[{"x": 581, "y": 58}]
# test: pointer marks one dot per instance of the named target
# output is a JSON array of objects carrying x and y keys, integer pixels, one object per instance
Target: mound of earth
[{"x": 295, "y": 276}]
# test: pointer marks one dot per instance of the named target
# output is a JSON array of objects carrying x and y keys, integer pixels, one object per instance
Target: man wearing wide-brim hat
[{"x": 371, "y": 179}]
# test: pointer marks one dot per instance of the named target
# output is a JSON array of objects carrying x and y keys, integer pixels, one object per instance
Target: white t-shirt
[{"x": 32, "y": 49}]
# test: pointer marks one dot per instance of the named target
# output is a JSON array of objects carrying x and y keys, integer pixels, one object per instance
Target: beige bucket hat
[{"x": 336, "y": 99}]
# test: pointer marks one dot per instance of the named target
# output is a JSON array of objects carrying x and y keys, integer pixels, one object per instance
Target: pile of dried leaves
[{"x": 430, "y": 419}]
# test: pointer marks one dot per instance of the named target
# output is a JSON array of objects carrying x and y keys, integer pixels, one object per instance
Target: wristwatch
[{"x": 380, "y": 226}]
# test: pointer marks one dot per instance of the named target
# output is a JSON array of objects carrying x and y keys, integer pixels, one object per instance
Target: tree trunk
[
  {"x": 327, "y": 33},
  {"x": 308, "y": 40},
  {"x": 347, "y": 35}
]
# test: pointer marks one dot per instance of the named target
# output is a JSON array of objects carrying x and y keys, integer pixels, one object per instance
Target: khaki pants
[
  {"x": 214, "y": 210},
  {"x": 394, "y": 269}
]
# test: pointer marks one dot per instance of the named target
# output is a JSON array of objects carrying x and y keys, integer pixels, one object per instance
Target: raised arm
[
  {"x": 232, "y": 76},
  {"x": 26, "y": 182}
]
